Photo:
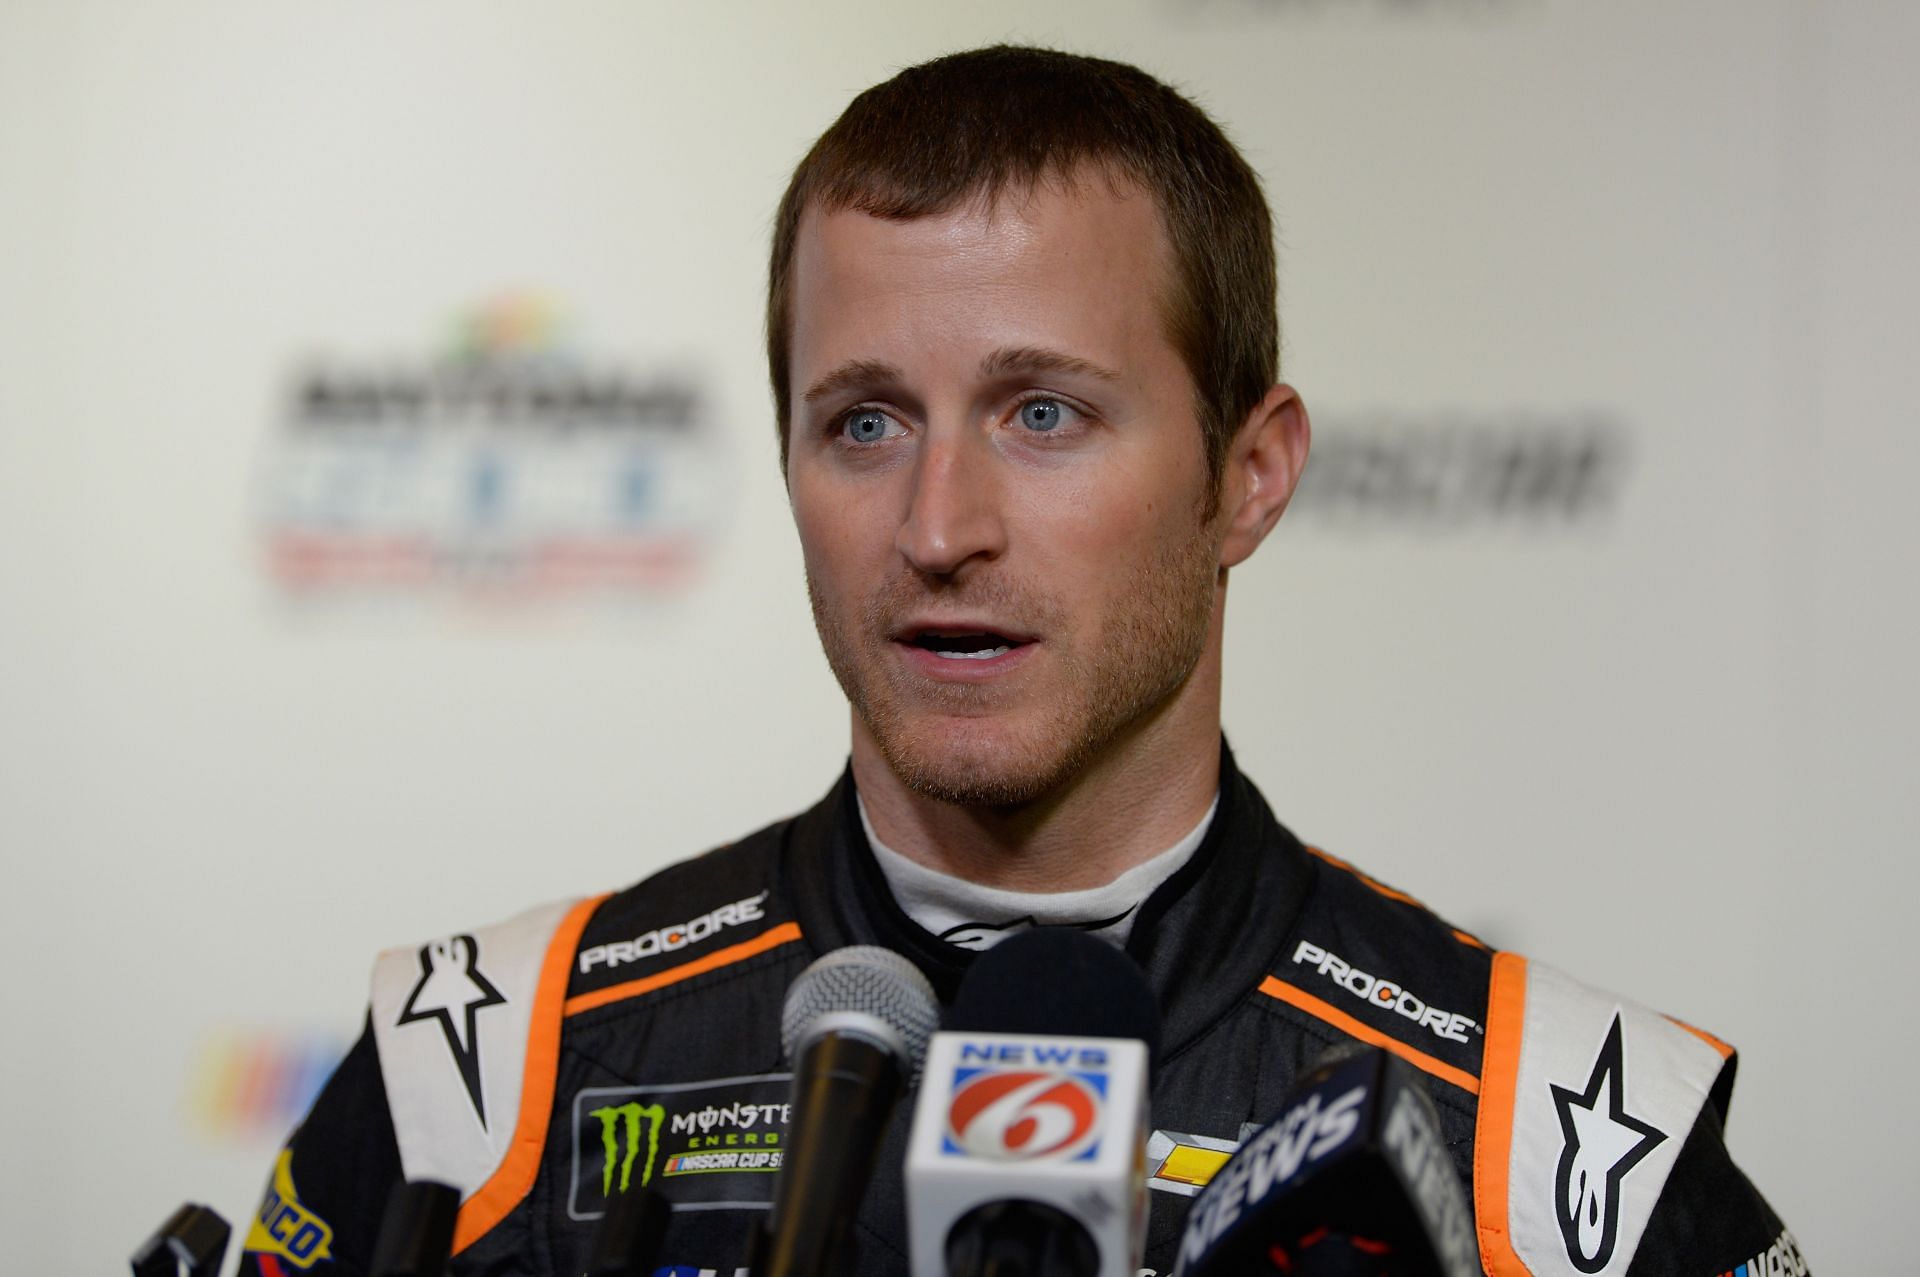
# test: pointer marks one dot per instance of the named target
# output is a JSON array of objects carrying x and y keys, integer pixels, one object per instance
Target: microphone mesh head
[{"x": 866, "y": 990}]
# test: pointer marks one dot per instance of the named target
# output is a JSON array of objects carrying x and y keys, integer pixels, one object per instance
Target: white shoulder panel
[
  {"x": 452, "y": 1020},
  {"x": 1605, "y": 1093}
]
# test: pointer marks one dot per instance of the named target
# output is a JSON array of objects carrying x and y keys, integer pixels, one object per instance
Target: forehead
[{"x": 1085, "y": 264}]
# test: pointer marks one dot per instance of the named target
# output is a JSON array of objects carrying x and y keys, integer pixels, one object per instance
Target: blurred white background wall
[{"x": 1594, "y": 627}]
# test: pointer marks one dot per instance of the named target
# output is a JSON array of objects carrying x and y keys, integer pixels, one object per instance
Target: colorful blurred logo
[
  {"x": 503, "y": 467},
  {"x": 252, "y": 1085}
]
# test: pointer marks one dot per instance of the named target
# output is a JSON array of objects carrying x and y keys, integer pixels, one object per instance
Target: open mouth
[{"x": 969, "y": 645}]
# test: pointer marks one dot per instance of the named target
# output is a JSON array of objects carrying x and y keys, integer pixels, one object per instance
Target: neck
[{"x": 1141, "y": 794}]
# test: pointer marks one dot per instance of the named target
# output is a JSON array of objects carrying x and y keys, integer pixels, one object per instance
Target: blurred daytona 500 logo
[{"x": 504, "y": 469}]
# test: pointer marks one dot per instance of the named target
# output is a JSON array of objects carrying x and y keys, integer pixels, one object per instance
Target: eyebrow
[
  {"x": 1011, "y": 359},
  {"x": 857, "y": 373}
]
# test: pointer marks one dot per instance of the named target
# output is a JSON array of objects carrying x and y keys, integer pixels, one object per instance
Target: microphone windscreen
[
  {"x": 1057, "y": 982},
  {"x": 865, "y": 991}
]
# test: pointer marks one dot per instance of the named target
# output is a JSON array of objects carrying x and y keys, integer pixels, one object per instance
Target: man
[{"x": 1022, "y": 337}]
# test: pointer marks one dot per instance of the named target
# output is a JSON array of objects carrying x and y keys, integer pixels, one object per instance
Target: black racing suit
[{"x": 648, "y": 1049}]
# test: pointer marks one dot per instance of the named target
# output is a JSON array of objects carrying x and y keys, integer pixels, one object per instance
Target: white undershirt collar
[{"x": 976, "y": 917}]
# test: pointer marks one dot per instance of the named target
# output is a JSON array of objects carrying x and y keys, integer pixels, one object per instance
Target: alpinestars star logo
[
  {"x": 452, "y": 990},
  {"x": 984, "y": 935},
  {"x": 1603, "y": 1143}
]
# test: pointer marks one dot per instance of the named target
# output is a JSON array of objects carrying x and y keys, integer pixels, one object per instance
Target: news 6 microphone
[
  {"x": 855, "y": 1029},
  {"x": 1027, "y": 1154},
  {"x": 1353, "y": 1177}
]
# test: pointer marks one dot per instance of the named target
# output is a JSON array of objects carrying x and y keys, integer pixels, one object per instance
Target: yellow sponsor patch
[
  {"x": 286, "y": 1228},
  {"x": 1190, "y": 1165},
  {"x": 1183, "y": 1163}
]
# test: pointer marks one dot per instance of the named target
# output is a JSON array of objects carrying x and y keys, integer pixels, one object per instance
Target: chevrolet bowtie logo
[{"x": 1181, "y": 1163}]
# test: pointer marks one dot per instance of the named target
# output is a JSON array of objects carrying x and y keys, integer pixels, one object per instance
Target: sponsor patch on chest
[
  {"x": 672, "y": 939},
  {"x": 702, "y": 1145},
  {"x": 285, "y": 1230},
  {"x": 1386, "y": 994}
]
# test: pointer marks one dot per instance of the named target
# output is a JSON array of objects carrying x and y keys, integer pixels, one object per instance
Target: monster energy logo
[
  {"x": 612, "y": 1119},
  {"x": 707, "y": 1144}
]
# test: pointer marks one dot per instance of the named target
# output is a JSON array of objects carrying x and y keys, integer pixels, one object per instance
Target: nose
[{"x": 954, "y": 516}]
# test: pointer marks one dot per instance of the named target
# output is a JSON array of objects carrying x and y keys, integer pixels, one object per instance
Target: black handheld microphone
[
  {"x": 191, "y": 1243},
  {"x": 626, "y": 1243},
  {"x": 1026, "y": 1157},
  {"x": 1351, "y": 1178},
  {"x": 416, "y": 1230},
  {"x": 855, "y": 1028}
]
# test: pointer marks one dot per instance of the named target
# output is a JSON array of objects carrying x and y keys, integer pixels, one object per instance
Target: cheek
[
  {"x": 1122, "y": 542},
  {"x": 1092, "y": 543},
  {"x": 837, "y": 542},
  {"x": 1115, "y": 512}
]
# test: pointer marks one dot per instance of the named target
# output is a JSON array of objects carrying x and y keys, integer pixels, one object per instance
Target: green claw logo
[{"x": 629, "y": 1116}]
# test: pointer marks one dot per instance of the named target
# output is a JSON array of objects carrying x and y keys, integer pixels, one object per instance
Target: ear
[{"x": 1263, "y": 466}]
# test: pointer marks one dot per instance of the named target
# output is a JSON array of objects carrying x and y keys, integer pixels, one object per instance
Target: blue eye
[
  {"x": 867, "y": 425},
  {"x": 1041, "y": 414}
]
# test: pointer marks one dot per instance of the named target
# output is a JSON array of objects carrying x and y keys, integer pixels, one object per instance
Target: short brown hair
[{"x": 1003, "y": 117}]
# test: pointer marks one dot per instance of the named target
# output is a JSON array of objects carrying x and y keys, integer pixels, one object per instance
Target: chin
[{"x": 976, "y": 763}]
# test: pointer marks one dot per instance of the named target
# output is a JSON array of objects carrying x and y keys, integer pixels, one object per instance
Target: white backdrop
[{"x": 1662, "y": 739}]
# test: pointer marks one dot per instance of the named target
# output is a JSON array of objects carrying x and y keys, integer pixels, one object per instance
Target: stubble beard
[{"x": 1151, "y": 642}]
